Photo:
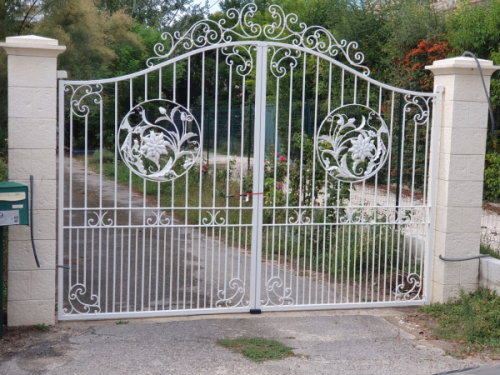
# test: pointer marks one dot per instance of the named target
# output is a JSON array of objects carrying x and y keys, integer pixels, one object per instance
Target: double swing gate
[{"x": 160, "y": 214}]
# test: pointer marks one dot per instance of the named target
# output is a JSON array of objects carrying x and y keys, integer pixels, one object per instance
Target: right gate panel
[{"x": 346, "y": 211}]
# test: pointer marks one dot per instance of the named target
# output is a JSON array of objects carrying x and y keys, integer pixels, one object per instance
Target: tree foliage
[{"x": 399, "y": 38}]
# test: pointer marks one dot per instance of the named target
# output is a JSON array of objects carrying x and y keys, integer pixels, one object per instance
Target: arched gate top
[{"x": 285, "y": 28}]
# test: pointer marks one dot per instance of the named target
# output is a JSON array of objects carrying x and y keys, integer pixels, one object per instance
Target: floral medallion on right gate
[{"x": 352, "y": 143}]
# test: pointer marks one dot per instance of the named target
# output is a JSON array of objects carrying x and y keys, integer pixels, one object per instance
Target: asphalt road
[{"x": 328, "y": 342}]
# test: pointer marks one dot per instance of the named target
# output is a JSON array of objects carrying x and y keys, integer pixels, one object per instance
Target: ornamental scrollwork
[
  {"x": 163, "y": 150},
  {"x": 238, "y": 25},
  {"x": 208, "y": 32},
  {"x": 277, "y": 293},
  {"x": 420, "y": 106},
  {"x": 314, "y": 38},
  {"x": 300, "y": 219},
  {"x": 352, "y": 147},
  {"x": 213, "y": 220},
  {"x": 81, "y": 302},
  {"x": 159, "y": 219},
  {"x": 410, "y": 289},
  {"x": 236, "y": 299},
  {"x": 241, "y": 57},
  {"x": 83, "y": 96},
  {"x": 283, "y": 60},
  {"x": 352, "y": 216},
  {"x": 100, "y": 221}
]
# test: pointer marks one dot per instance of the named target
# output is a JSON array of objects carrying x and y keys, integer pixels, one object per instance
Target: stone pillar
[
  {"x": 460, "y": 172},
  {"x": 32, "y": 100}
]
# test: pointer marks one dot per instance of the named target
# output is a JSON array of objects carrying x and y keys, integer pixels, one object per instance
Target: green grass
[
  {"x": 42, "y": 327},
  {"x": 486, "y": 249},
  {"x": 473, "y": 320},
  {"x": 122, "y": 322},
  {"x": 258, "y": 349}
]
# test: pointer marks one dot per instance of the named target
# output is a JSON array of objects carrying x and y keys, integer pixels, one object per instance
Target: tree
[{"x": 155, "y": 13}]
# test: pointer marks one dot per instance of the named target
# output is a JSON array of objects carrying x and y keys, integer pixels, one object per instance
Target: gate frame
[{"x": 435, "y": 124}]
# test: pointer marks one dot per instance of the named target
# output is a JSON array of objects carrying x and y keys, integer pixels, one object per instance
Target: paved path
[{"x": 333, "y": 342}]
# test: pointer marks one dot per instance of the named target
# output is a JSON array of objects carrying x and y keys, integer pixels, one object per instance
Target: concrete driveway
[{"x": 327, "y": 342}]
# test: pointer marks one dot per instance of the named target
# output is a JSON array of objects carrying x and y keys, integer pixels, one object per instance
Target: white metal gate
[{"x": 171, "y": 202}]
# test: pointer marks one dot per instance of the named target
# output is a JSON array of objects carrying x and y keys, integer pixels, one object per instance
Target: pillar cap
[
  {"x": 462, "y": 65},
  {"x": 32, "y": 45}
]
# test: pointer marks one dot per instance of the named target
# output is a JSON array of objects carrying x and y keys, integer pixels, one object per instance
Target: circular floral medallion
[
  {"x": 351, "y": 143},
  {"x": 159, "y": 140}
]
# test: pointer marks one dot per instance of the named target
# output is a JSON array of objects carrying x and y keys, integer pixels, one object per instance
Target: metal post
[{"x": 258, "y": 177}]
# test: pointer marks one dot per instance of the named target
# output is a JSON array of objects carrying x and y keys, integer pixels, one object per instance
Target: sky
[{"x": 214, "y": 4}]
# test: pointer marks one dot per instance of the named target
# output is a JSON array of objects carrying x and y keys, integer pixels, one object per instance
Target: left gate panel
[{"x": 153, "y": 216}]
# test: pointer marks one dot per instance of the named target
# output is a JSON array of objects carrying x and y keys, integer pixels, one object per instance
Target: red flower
[
  {"x": 204, "y": 166},
  {"x": 282, "y": 158}
]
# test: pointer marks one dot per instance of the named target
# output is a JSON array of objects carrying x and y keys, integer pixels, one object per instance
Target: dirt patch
[{"x": 19, "y": 339}]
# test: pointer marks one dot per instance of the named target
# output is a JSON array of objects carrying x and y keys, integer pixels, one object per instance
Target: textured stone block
[
  {"x": 456, "y": 245},
  {"x": 469, "y": 272},
  {"x": 19, "y": 285},
  {"x": 463, "y": 141},
  {"x": 32, "y": 71},
  {"x": 43, "y": 284},
  {"x": 458, "y": 219},
  {"x": 444, "y": 293},
  {"x": 446, "y": 273},
  {"x": 21, "y": 256},
  {"x": 44, "y": 224},
  {"x": 454, "y": 193},
  {"x": 29, "y": 133},
  {"x": 40, "y": 163},
  {"x": 489, "y": 273},
  {"x": 39, "y": 102},
  {"x": 456, "y": 114},
  {"x": 461, "y": 167},
  {"x": 22, "y": 313}
]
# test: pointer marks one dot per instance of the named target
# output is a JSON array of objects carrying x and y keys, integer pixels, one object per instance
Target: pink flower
[
  {"x": 282, "y": 158},
  {"x": 279, "y": 186},
  {"x": 265, "y": 160},
  {"x": 109, "y": 148},
  {"x": 204, "y": 166}
]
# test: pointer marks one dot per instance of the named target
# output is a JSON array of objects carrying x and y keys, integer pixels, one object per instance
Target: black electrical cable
[
  {"x": 31, "y": 222},
  {"x": 492, "y": 118},
  {"x": 463, "y": 259}
]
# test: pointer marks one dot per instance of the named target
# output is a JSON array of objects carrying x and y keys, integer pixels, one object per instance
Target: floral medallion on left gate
[{"x": 159, "y": 140}]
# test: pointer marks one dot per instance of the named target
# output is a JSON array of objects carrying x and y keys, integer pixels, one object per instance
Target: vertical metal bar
[
  {"x": 250, "y": 126},
  {"x": 400, "y": 142},
  {"x": 258, "y": 183}
]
